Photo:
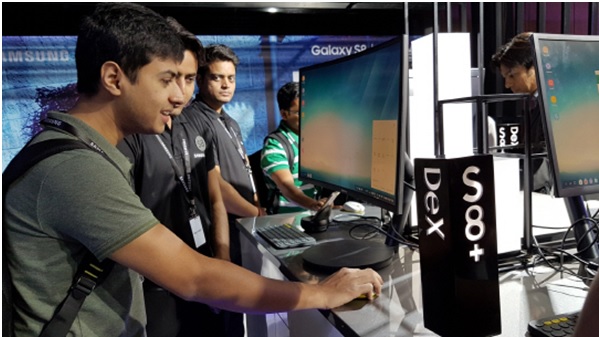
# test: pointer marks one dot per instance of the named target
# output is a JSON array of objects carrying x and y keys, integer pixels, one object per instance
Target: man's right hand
[
  {"x": 261, "y": 211},
  {"x": 348, "y": 284}
]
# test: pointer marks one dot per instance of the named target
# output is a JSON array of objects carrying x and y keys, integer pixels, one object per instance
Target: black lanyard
[
  {"x": 65, "y": 126},
  {"x": 235, "y": 139},
  {"x": 237, "y": 143},
  {"x": 184, "y": 178}
]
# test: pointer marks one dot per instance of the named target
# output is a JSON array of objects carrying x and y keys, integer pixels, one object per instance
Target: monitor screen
[
  {"x": 568, "y": 77},
  {"x": 352, "y": 124}
]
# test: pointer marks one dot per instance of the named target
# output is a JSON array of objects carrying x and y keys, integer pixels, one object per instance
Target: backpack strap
[
  {"x": 31, "y": 155},
  {"x": 91, "y": 272},
  {"x": 273, "y": 197},
  {"x": 286, "y": 146}
]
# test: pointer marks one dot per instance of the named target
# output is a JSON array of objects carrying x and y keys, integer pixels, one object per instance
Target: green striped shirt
[{"x": 274, "y": 158}]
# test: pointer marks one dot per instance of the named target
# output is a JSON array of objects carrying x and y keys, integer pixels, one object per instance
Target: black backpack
[
  {"x": 269, "y": 199},
  {"x": 91, "y": 272}
]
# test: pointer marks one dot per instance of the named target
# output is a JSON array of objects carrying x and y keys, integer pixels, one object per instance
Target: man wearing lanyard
[
  {"x": 216, "y": 81},
  {"x": 175, "y": 178}
]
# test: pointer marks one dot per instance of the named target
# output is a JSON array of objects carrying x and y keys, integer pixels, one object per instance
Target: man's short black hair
[
  {"x": 287, "y": 94},
  {"x": 515, "y": 53},
  {"x": 128, "y": 34},
  {"x": 190, "y": 41},
  {"x": 218, "y": 52}
]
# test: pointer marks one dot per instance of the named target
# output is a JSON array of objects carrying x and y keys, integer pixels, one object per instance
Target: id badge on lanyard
[
  {"x": 195, "y": 222},
  {"x": 199, "y": 237}
]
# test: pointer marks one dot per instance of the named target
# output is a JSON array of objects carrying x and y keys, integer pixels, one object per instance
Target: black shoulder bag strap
[
  {"x": 286, "y": 145},
  {"x": 273, "y": 198},
  {"x": 91, "y": 272}
]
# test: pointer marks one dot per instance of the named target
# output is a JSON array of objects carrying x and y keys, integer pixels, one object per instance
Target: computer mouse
[{"x": 353, "y": 206}]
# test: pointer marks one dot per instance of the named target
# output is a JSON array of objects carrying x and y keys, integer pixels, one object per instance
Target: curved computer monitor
[
  {"x": 353, "y": 122},
  {"x": 568, "y": 85}
]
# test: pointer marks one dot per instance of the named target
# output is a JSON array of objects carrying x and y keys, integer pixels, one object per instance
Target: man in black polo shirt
[
  {"x": 216, "y": 81},
  {"x": 175, "y": 177}
]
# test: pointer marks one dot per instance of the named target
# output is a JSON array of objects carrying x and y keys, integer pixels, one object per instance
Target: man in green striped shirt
[{"x": 281, "y": 179}]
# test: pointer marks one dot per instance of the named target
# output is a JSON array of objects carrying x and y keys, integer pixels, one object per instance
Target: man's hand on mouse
[{"x": 348, "y": 284}]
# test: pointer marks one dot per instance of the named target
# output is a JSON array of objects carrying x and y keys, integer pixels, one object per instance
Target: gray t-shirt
[{"x": 67, "y": 204}]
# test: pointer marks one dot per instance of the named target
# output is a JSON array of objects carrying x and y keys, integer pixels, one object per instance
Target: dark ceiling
[{"x": 228, "y": 18}]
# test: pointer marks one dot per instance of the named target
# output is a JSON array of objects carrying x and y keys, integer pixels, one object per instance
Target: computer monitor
[
  {"x": 352, "y": 139},
  {"x": 352, "y": 124},
  {"x": 568, "y": 77},
  {"x": 567, "y": 68}
]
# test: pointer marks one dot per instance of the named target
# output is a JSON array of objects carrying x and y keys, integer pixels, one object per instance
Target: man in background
[
  {"x": 216, "y": 81},
  {"x": 286, "y": 192},
  {"x": 515, "y": 62}
]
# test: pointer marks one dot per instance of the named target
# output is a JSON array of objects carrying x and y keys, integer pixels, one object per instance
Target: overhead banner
[{"x": 39, "y": 75}]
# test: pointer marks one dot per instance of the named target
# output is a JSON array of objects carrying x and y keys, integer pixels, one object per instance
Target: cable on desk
[
  {"x": 561, "y": 268},
  {"x": 397, "y": 238},
  {"x": 590, "y": 266},
  {"x": 358, "y": 221},
  {"x": 541, "y": 255},
  {"x": 374, "y": 226},
  {"x": 400, "y": 238},
  {"x": 560, "y": 252},
  {"x": 580, "y": 250}
]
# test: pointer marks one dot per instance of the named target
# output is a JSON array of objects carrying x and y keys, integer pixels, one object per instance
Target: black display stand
[
  {"x": 333, "y": 255},
  {"x": 318, "y": 222}
]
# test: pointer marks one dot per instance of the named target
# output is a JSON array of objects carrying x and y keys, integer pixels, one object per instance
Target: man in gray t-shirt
[{"x": 81, "y": 201}]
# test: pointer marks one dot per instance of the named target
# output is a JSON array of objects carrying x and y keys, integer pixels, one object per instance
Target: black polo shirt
[
  {"x": 157, "y": 184},
  {"x": 226, "y": 154}
]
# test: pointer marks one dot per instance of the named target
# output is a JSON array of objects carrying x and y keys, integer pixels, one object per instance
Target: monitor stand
[
  {"x": 333, "y": 255},
  {"x": 584, "y": 233}
]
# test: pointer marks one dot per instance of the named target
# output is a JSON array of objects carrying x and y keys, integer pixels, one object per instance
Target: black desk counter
[{"x": 525, "y": 294}]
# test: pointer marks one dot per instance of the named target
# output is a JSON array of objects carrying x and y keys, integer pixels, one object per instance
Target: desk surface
[{"x": 525, "y": 294}]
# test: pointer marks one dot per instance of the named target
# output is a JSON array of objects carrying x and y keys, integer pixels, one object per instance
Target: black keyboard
[
  {"x": 554, "y": 326},
  {"x": 285, "y": 236}
]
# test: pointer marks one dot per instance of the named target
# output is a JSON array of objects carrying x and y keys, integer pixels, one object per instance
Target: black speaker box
[{"x": 458, "y": 246}]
